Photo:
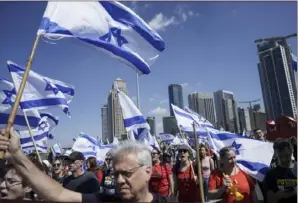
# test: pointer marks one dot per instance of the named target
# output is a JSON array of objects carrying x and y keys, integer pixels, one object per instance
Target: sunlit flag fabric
[
  {"x": 56, "y": 149},
  {"x": 134, "y": 121},
  {"x": 109, "y": 26},
  {"x": 253, "y": 156},
  {"x": 40, "y": 134},
  {"x": 167, "y": 138},
  {"x": 90, "y": 147},
  {"x": 7, "y": 98},
  {"x": 294, "y": 62},
  {"x": 41, "y": 92}
]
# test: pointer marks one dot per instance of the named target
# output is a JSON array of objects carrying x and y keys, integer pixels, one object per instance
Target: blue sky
[{"x": 209, "y": 46}]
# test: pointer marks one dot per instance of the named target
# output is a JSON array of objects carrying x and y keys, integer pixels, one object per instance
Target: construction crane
[
  {"x": 275, "y": 38},
  {"x": 250, "y": 102}
]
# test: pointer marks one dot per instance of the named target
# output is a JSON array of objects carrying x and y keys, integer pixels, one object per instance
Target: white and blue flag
[
  {"x": 109, "y": 26},
  {"x": 134, "y": 121},
  {"x": 166, "y": 138},
  {"x": 41, "y": 92},
  {"x": 253, "y": 156},
  {"x": 40, "y": 134},
  {"x": 294, "y": 62},
  {"x": 56, "y": 149},
  {"x": 7, "y": 98}
]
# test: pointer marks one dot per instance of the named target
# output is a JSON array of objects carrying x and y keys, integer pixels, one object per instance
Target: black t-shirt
[
  {"x": 86, "y": 183},
  {"x": 281, "y": 179},
  {"x": 97, "y": 197}
]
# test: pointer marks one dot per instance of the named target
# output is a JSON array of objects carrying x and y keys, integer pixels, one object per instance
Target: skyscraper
[
  {"x": 170, "y": 125},
  {"x": 203, "y": 104},
  {"x": 226, "y": 111},
  {"x": 152, "y": 124},
  {"x": 277, "y": 79},
  {"x": 175, "y": 96},
  {"x": 115, "y": 118},
  {"x": 104, "y": 123},
  {"x": 244, "y": 119}
]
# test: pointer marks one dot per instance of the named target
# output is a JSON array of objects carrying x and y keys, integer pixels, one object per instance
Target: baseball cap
[{"x": 76, "y": 156}]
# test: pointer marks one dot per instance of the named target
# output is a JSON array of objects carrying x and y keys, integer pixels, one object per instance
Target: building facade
[
  {"x": 203, "y": 104},
  {"x": 104, "y": 123},
  {"x": 170, "y": 125},
  {"x": 175, "y": 97},
  {"x": 152, "y": 124},
  {"x": 277, "y": 79},
  {"x": 115, "y": 118},
  {"x": 244, "y": 119},
  {"x": 226, "y": 111}
]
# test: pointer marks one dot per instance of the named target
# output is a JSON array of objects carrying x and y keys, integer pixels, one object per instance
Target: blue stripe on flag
[
  {"x": 89, "y": 139},
  {"x": 128, "y": 122},
  {"x": 20, "y": 120},
  {"x": 50, "y": 117},
  {"x": 254, "y": 166},
  {"x": 37, "y": 145},
  {"x": 43, "y": 103},
  {"x": 227, "y": 136},
  {"x": 123, "y": 16},
  {"x": 36, "y": 138}
]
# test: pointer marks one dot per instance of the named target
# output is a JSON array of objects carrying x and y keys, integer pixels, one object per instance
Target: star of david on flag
[{"x": 107, "y": 25}]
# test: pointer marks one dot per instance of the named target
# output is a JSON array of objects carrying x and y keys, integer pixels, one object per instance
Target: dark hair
[
  {"x": 283, "y": 144},
  {"x": 92, "y": 162},
  {"x": 224, "y": 151}
]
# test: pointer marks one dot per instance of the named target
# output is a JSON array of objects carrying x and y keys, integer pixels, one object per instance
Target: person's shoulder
[
  {"x": 162, "y": 199},
  {"x": 216, "y": 172}
]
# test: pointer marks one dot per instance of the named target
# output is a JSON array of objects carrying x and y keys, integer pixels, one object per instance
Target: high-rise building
[
  {"x": 152, "y": 124},
  {"x": 104, "y": 123},
  {"x": 226, "y": 111},
  {"x": 244, "y": 119},
  {"x": 277, "y": 79},
  {"x": 203, "y": 104},
  {"x": 258, "y": 120},
  {"x": 175, "y": 96},
  {"x": 170, "y": 125},
  {"x": 115, "y": 118}
]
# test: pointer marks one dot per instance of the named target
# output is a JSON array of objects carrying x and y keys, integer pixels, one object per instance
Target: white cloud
[
  {"x": 151, "y": 99},
  {"x": 183, "y": 12},
  {"x": 184, "y": 84},
  {"x": 163, "y": 101},
  {"x": 159, "y": 127},
  {"x": 158, "y": 112},
  {"x": 160, "y": 22}
]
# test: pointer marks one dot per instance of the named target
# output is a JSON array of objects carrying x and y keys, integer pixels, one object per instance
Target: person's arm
[
  {"x": 43, "y": 185},
  {"x": 170, "y": 179},
  {"x": 211, "y": 164},
  {"x": 215, "y": 192}
]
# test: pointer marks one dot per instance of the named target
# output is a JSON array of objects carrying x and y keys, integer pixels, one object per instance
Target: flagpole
[
  {"x": 32, "y": 138},
  {"x": 138, "y": 92},
  {"x": 199, "y": 164},
  {"x": 20, "y": 92}
]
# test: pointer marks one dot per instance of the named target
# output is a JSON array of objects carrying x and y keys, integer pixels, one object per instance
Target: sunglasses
[
  {"x": 108, "y": 159},
  {"x": 154, "y": 153},
  {"x": 56, "y": 165},
  {"x": 182, "y": 150}
]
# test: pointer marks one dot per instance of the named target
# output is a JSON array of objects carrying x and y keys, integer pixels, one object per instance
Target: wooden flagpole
[
  {"x": 199, "y": 165},
  {"x": 20, "y": 92}
]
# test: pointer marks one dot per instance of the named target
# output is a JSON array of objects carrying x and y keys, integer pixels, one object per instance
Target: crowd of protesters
[{"x": 132, "y": 172}]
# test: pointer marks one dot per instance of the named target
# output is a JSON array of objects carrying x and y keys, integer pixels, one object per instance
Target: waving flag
[
  {"x": 7, "y": 97},
  {"x": 294, "y": 62},
  {"x": 247, "y": 150},
  {"x": 134, "y": 122},
  {"x": 41, "y": 92},
  {"x": 56, "y": 149},
  {"x": 109, "y": 26},
  {"x": 203, "y": 122},
  {"x": 167, "y": 138},
  {"x": 40, "y": 134}
]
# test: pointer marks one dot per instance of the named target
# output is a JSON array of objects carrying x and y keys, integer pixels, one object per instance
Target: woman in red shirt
[
  {"x": 187, "y": 188},
  {"x": 161, "y": 181},
  {"x": 219, "y": 184}
]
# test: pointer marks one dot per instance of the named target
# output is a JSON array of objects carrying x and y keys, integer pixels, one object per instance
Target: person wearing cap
[
  {"x": 80, "y": 181},
  {"x": 186, "y": 176}
]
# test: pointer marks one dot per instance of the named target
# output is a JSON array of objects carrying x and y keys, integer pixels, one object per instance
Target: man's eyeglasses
[
  {"x": 182, "y": 150},
  {"x": 128, "y": 173},
  {"x": 12, "y": 182}
]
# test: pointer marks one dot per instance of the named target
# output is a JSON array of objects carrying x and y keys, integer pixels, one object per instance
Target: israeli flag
[
  {"x": 40, "y": 134},
  {"x": 41, "y": 92},
  {"x": 90, "y": 147},
  {"x": 134, "y": 121},
  {"x": 294, "y": 62},
  {"x": 7, "y": 98},
  {"x": 167, "y": 138},
  {"x": 109, "y": 26},
  {"x": 253, "y": 156},
  {"x": 56, "y": 149},
  {"x": 203, "y": 122}
]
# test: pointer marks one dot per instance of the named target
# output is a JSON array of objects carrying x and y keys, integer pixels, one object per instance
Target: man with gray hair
[{"x": 132, "y": 169}]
